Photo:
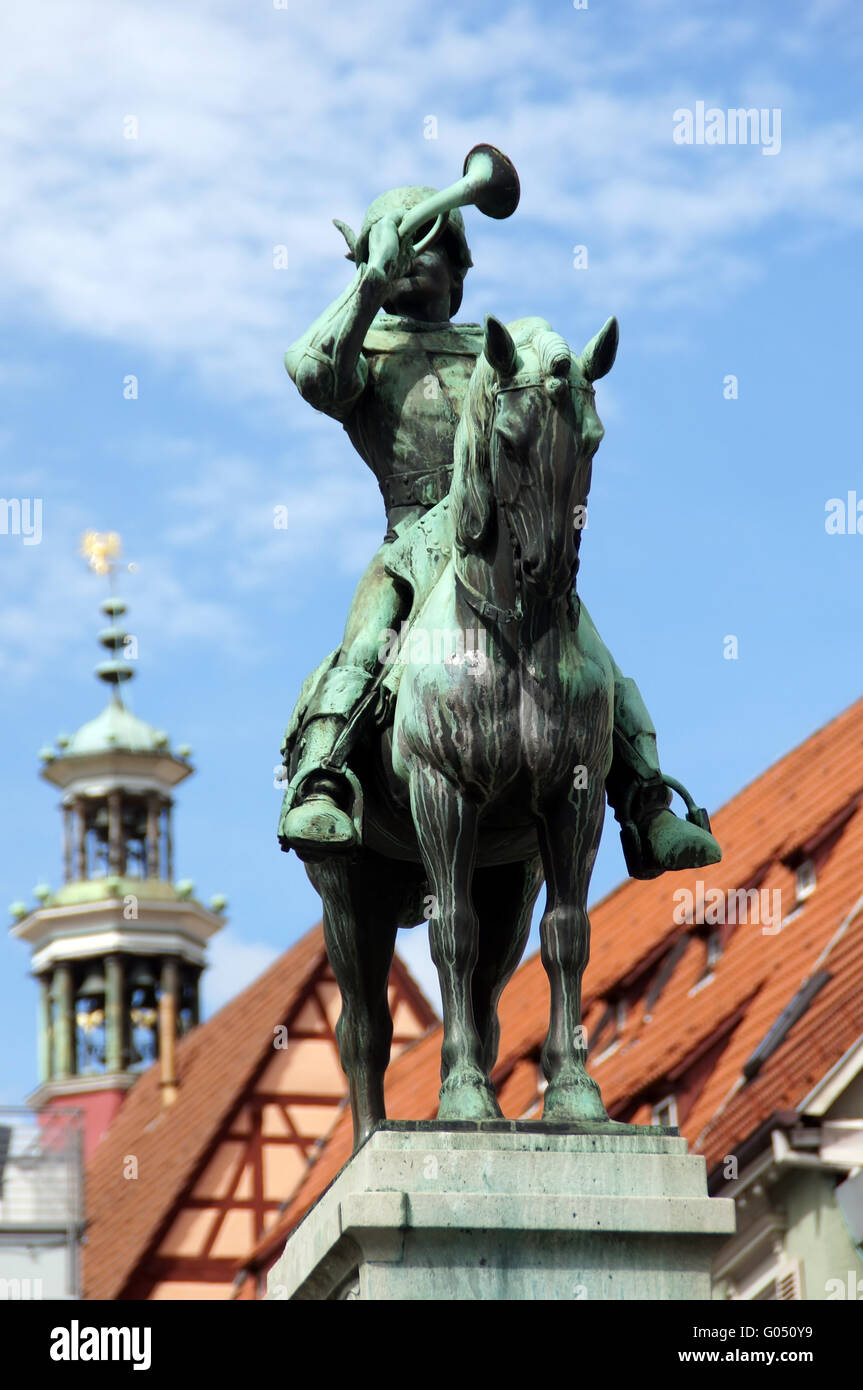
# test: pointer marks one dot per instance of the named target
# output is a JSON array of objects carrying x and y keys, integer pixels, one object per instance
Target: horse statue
[{"x": 490, "y": 773}]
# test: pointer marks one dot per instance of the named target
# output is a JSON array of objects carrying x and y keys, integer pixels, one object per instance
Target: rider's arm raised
[{"x": 326, "y": 364}]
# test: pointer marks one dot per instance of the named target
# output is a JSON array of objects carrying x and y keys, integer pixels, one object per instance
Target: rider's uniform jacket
[
  {"x": 417, "y": 373},
  {"x": 403, "y": 402}
]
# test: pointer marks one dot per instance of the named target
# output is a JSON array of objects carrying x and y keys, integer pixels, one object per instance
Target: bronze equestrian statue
[{"x": 473, "y": 760}]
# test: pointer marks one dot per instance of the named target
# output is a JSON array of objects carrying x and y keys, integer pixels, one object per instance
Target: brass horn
[{"x": 489, "y": 181}]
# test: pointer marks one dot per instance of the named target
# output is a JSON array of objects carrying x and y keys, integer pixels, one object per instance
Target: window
[
  {"x": 805, "y": 880},
  {"x": 609, "y": 1030},
  {"x": 712, "y": 952},
  {"x": 665, "y": 1113}
]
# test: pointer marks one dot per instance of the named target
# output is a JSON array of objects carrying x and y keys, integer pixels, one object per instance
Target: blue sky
[{"x": 154, "y": 257}]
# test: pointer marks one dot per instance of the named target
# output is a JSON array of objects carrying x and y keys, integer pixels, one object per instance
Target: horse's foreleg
[
  {"x": 446, "y": 825},
  {"x": 503, "y": 896},
  {"x": 569, "y": 832},
  {"x": 360, "y": 933}
]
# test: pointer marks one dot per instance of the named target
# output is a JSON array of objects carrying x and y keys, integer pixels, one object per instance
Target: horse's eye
[{"x": 509, "y": 441}]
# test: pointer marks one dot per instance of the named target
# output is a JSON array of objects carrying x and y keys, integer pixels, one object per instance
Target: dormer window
[
  {"x": 805, "y": 880},
  {"x": 665, "y": 1113},
  {"x": 804, "y": 887},
  {"x": 609, "y": 1030},
  {"x": 712, "y": 952}
]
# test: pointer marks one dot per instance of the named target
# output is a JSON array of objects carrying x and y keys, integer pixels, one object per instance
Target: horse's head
[{"x": 525, "y": 444}]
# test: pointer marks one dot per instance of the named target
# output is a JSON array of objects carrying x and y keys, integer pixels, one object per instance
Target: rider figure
[{"x": 397, "y": 381}]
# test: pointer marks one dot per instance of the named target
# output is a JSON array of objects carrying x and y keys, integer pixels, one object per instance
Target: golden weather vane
[{"x": 102, "y": 550}]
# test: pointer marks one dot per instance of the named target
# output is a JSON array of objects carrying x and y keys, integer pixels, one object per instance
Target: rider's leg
[
  {"x": 319, "y": 817},
  {"x": 637, "y": 792}
]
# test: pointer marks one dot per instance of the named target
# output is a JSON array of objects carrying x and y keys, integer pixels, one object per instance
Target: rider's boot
[
  {"x": 654, "y": 839},
  {"x": 319, "y": 821},
  {"x": 317, "y": 818},
  {"x": 661, "y": 840}
]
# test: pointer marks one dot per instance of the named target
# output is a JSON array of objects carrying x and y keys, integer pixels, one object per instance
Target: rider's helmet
[{"x": 453, "y": 237}]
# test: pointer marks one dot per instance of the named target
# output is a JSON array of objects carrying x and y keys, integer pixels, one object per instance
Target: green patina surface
[
  {"x": 465, "y": 782},
  {"x": 116, "y": 729},
  {"x": 93, "y": 890}
]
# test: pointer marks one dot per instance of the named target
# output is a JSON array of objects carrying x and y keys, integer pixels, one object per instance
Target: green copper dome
[{"x": 116, "y": 729}]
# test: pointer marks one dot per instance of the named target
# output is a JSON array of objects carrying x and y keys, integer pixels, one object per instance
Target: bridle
[{"x": 484, "y": 607}]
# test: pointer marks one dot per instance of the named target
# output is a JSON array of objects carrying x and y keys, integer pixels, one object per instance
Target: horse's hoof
[
  {"x": 468, "y": 1097},
  {"x": 317, "y": 827},
  {"x": 577, "y": 1100}
]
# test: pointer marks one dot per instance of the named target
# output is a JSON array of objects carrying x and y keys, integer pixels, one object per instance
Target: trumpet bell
[
  {"x": 498, "y": 188},
  {"x": 489, "y": 182}
]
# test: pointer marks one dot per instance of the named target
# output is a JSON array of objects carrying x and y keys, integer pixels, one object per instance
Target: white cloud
[{"x": 255, "y": 127}]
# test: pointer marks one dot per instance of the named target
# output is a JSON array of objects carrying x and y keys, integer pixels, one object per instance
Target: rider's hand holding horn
[{"x": 388, "y": 252}]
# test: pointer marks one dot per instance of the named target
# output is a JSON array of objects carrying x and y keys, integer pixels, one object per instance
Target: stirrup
[
  {"x": 314, "y": 826},
  {"x": 640, "y": 862}
]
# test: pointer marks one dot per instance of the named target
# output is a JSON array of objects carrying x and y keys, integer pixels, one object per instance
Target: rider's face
[{"x": 425, "y": 291}]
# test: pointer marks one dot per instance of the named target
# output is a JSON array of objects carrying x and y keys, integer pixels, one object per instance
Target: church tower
[{"x": 119, "y": 948}]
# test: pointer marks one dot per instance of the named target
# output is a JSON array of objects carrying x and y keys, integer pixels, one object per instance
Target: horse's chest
[
  {"x": 508, "y": 722},
  {"x": 495, "y": 721}
]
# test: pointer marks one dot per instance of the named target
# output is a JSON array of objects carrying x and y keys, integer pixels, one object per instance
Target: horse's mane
[{"x": 471, "y": 492}]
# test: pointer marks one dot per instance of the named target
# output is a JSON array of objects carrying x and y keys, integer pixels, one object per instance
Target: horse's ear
[
  {"x": 598, "y": 357},
  {"x": 498, "y": 346}
]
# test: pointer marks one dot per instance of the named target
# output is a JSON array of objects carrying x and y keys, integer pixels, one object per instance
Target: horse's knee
[
  {"x": 565, "y": 938},
  {"x": 364, "y": 1036},
  {"x": 454, "y": 938}
]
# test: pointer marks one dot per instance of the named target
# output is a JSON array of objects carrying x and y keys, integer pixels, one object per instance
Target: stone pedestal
[{"x": 509, "y": 1209}]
